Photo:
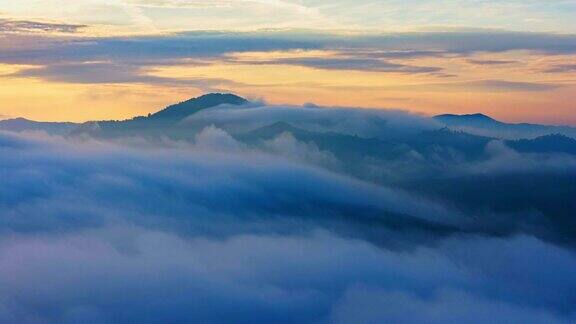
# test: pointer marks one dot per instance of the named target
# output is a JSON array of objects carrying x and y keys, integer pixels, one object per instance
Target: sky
[{"x": 114, "y": 59}]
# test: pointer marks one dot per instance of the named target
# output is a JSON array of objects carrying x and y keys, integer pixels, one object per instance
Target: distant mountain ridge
[
  {"x": 153, "y": 124},
  {"x": 23, "y": 124},
  {"x": 555, "y": 143},
  {"x": 480, "y": 124},
  {"x": 470, "y": 119},
  {"x": 184, "y": 109},
  {"x": 471, "y": 131},
  {"x": 161, "y": 122}
]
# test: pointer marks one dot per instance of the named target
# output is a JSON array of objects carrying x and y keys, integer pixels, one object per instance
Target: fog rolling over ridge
[{"x": 218, "y": 209}]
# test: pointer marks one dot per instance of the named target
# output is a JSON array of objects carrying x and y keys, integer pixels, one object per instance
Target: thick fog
[{"x": 285, "y": 215}]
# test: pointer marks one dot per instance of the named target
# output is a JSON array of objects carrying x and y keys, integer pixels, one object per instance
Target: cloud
[
  {"x": 212, "y": 138},
  {"x": 286, "y": 145},
  {"x": 27, "y": 26},
  {"x": 140, "y": 72},
  {"x": 92, "y": 73},
  {"x": 492, "y": 85},
  {"x": 367, "y": 123},
  {"x": 203, "y": 184},
  {"x": 463, "y": 42},
  {"x": 561, "y": 68},
  {"x": 135, "y": 59},
  {"x": 110, "y": 73},
  {"x": 367, "y": 305},
  {"x": 115, "y": 274},
  {"x": 397, "y": 54},
  {"x": 338, "y": 14},
  {"x": 504, "y": 160},
  {"x": 510, "y": 86},
  {"x": 358, "y": 64},
  {"x": 214, "y": 229},
  {"x": 147, "y": 50},
  {"x": 357, "y": 51},
  {"x": 490, "y": 62}
]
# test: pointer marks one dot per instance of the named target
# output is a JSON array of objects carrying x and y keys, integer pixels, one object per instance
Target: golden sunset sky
[{"x": 113, "y": 59}]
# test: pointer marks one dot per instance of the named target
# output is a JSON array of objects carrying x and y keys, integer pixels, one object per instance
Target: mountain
[
  {"x": 159, "y": 123},
  {"x": 186, "y": 108},
  {"x": 480, "y": 124},
  {"x": 472, "y": 120},
  {"x": 351, "y": 146},
  {"x": 545, "y": 144},
  {"x": 345, "y": 147},
  {"x": 465, "y": 134},
  {"x": 24, "y": 125},
  {"x": 164, "y": 122},
  {"x": 447, "y": 141}
]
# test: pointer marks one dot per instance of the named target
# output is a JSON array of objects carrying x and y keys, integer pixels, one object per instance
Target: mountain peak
[
  {"x": 18, "y": 120},
  {"x": 466, "y": 120},
  {"x": 220, "y": 99},
  {"x": 476, "y": 116},
  {"x": 184, "y": 109}
]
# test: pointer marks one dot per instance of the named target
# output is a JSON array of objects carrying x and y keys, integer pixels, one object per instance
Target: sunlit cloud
[
  {"x": 363, "y": 161},
  {"x": 562, "y": 68},
  {"x": 162, "y": 15},
  {"x": 19, "y": 26},
  {"x": 255, "y": 48}
]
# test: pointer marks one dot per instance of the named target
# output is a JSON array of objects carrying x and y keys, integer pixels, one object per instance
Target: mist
[{"x": 284, "y": 214}]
